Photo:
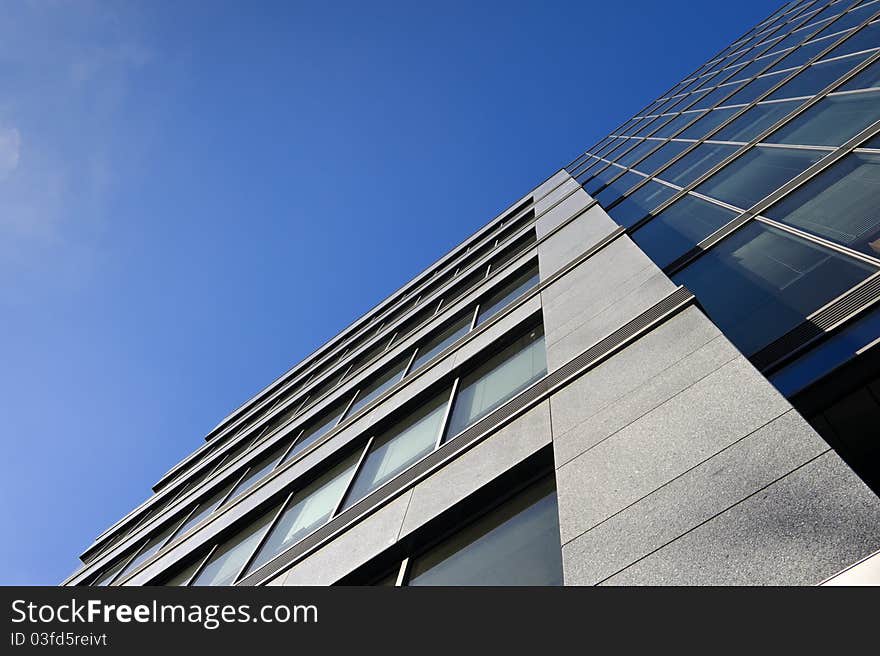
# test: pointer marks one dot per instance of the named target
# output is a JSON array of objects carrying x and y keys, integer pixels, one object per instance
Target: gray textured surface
[
  {"x": 696, "y": 496},
  {"x": 478, "y": 466},
  {"x": 628, "y": 369},
  {"x": 573, "y": 239},
  {"x": 800, "y": 530},
  {"x": 567, "y": 187},
  {"x": 693, "y": 425},
  {"x": 654, "y": 391},
  {"x": 364, "y": 540}
]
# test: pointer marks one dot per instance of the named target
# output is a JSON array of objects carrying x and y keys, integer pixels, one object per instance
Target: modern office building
[{"x": 659, "y": 366}]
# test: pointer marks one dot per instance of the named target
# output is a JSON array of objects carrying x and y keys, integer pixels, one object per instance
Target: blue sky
[{"x": 194, "y": 196}]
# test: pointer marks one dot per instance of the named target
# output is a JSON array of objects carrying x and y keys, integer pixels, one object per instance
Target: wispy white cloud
[
  {"x": 10, "y": 148},
  {"x": 68, "y": 70}
]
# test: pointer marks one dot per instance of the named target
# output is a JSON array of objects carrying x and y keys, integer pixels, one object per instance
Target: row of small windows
[
  {"x": 408, "y": 436},
  {"x": 297, "y": 442},
  {"x": 383, "y": 322},
  {"x": 289, "y": 406}
]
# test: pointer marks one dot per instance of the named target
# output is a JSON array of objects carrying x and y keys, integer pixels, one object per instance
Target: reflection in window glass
[
  {"x": 801, "y": 55},
  {"x": 204, "y": 509},
  {"x": 406, "y": 442},
  {"x": 760, "y": 282},
  {"x": 841, "y": 204},
  {"x": 441, "y": 340},
  {"x": 105, "y": 578},
  {"x": 696, "y": 163},
  {"x": 508, "y": 293},
  {"x": 316, "y": 428},
  {"x": 867, "y": 79},
  {"x": 500, "y": 378},
  {"x": 637, "y": 153},
  {"x": 258, "y": 470},
  {"x": 830, "y": 122},
  {"x": 229, "y": 558},
  {"x": 868, "y": 38},
  {"x": 377, "y": 385},
  {"x": 617, "y": 188},
  {"x": 753, "y": 122},
  {"x": 825, "y": 357},
  {"x": 716, "y": 96},
  {"x": 680, "y": 227},
  {"x": 816, "y": 77},
  {"x": 307, "y": 509},
  {"x": 639, "y": 204},
  {"x": 753, "y": 90},
  {"x": 675, "y": 125},
  {"x": 662, "y": 155},
  {"x": 183, "y": 576},
  {"x": 601, "y": 179},
  {"x": 150, "y": 548},
  {"x": 517, "y": 543},
  {"x": 751, "y": 176},
  {"x": 708, "y": 123}
]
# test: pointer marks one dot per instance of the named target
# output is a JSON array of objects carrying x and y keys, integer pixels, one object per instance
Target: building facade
[{"x": 659, "y": 366}]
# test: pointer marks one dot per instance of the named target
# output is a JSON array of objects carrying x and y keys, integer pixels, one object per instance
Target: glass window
[
  {"x": 830, "y": 122},
  {"x": 617, "y": 188},
  {"x": 182, "y": 576},
  {"x": 753, "y": 175},
  {"x": 868, "y": 38},
  {"x": 601, "y": 179},
  {"x": 317, "y": 427},
  {"x": 754, "y": 121},
  {"x": 516, "y": 543},
  {"x": 815, "y": 78},
  {"x": 841, "y": 204},
  {"x": 696, "y": 163},
  {"x": 717, "y": 95},
  {"x": 230, "y": 557},
  {"x": 754, "y": 89},
  {"x": 867, "y": 79},
  {"x": 258, "y": 470},
  {"x": 203, "y": 509},
  {"x": 662, "y": 155},
  {"x": 373, "y": 388},
  {"x": 827, "y": 356},
  {"x": 851, "y": 19},
  {"x": 708, "y": 123},
  {"x": 105, "y": 578},
  {"x": 307, "y": 509},
  {"x": 406, "y": 442},
  {"x": 675, "y": 125},
  {"x": 508, "y": 293},
  {"x": 800, "y": 56},
  {"x": 761, "y": 282},
  {"x": 680, "y": 227},
  {"x": 639, "y": 204},
  {"x": 150, "y": 548},
  {"x": 637, "y": 153},
  {"x": 441, "y": 340},
  {"x": 500, "y": 378}
]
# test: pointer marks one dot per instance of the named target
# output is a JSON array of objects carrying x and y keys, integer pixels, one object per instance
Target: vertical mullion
[
  {"x": 233, "y": 488},
  {"x": 290, "y": 446},
  {"x": 402, "y": 573},
  {"x": 347, "y": 407},
  {"x": 475, "y": 317},
  {"x": 443, "y": 424},
  {"x": 201, "y": 567},
  {"x": 133, "y": 555},
  {"x": 263, "y": 538},
  {"x": 357, "y": 469},
  {"x": 408, "y": 367}
]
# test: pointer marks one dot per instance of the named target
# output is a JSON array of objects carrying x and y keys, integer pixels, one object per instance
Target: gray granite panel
[
  {"x": 670, "y": 439},
  {"x": 711, "y": 487},
  {"x": 800, "y": 530}
]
